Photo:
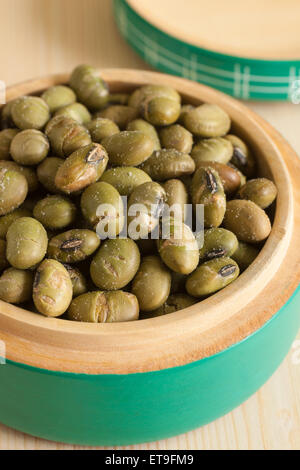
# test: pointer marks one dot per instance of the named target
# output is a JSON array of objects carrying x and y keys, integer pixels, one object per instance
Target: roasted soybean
[
  {"x": 52, "y": 288},
  {"x": 211, "y": 277},
  {"x": 71, "y": 241},
  {"x": 152, "y": 284},
  {"x": 104, "y": 307}
]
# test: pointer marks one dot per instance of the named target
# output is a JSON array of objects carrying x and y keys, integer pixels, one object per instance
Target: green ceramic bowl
[
  {"x": 123, "y": 384},
  {"x": 115, "y": 410}
]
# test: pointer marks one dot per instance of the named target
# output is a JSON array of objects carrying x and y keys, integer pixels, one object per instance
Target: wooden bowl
[{"x": 119, "y": 384}]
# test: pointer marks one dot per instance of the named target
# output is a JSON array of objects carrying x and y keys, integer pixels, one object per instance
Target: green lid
[{"x": 241, "y": 77}]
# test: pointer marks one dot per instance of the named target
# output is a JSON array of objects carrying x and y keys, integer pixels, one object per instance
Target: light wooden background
[{"x": 38, "y": 37}]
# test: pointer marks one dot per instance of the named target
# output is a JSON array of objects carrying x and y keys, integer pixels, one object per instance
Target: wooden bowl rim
[{"x": 199, "y": 331}]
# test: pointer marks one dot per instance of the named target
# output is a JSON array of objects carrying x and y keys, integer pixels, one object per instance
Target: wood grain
[
  {"x": 56, "y": 35},
  {"x": 268, "y": 29}
]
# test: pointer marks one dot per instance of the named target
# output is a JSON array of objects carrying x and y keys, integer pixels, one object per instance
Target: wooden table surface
[{"x": 38, "y": 37}]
